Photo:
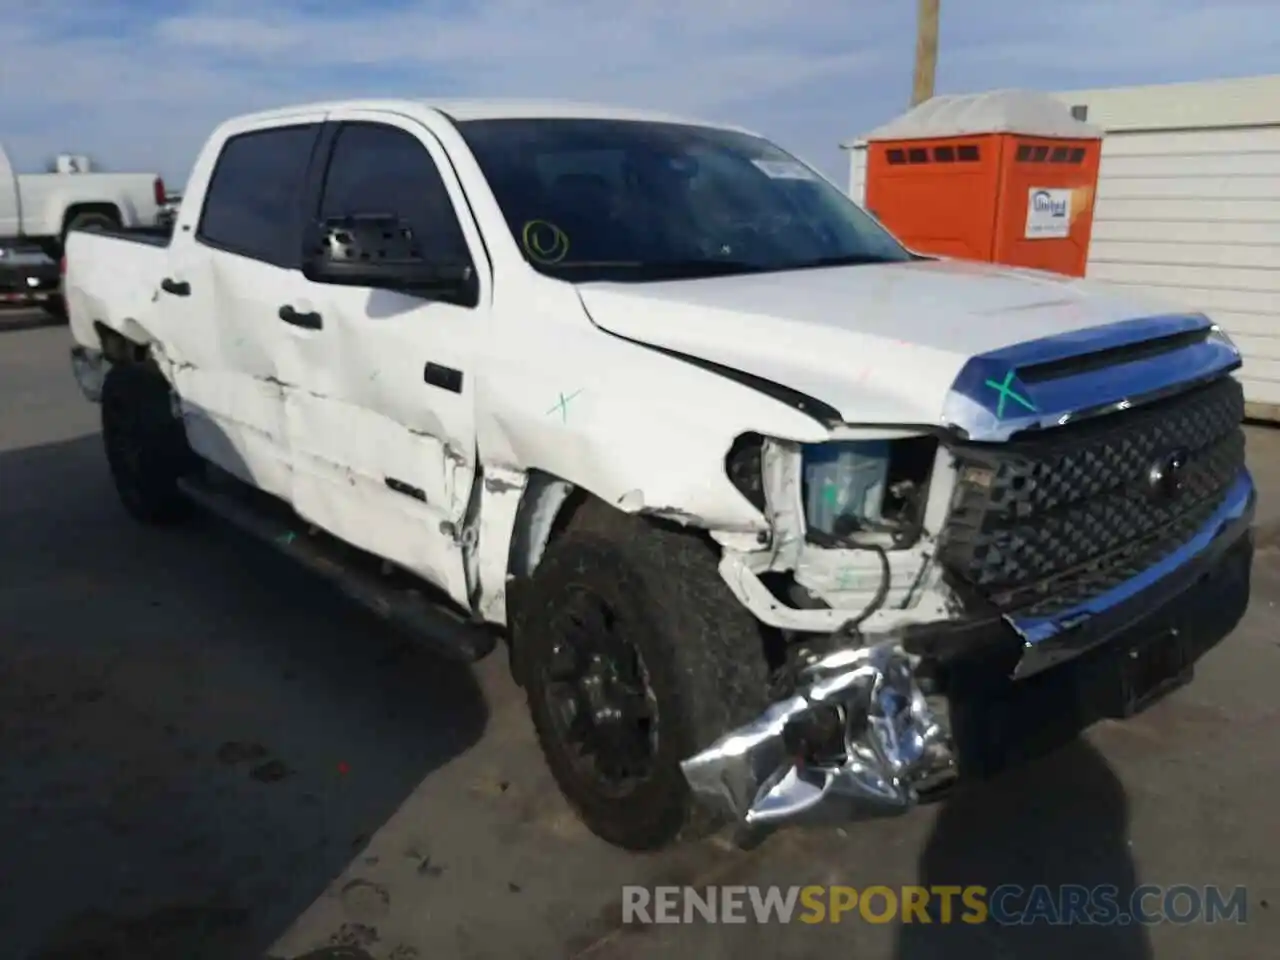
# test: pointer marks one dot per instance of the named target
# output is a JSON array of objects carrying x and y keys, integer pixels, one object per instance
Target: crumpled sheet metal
[{"x": 893, "y": 744}]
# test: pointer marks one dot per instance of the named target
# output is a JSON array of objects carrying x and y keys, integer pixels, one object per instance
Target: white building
[{"x": 1188, "y": 206}]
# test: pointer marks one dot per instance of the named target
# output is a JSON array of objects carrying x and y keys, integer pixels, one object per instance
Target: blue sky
[{"x": 138, "y": 84}]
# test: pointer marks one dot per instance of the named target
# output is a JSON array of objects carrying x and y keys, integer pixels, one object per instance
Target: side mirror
[{"x": 378, "y": 250}]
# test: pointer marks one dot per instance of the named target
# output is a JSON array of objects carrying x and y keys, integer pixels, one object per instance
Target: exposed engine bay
[{"x": 909, "y": 549}]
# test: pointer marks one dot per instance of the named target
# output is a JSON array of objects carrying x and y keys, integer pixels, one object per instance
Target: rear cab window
[{"x": 252, "y": 205}]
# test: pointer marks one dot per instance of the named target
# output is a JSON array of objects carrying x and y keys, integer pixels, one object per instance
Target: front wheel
[{"x": 634, "y": 656}]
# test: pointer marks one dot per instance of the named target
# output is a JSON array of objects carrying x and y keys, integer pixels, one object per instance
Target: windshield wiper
[
  {"x": 689, "y": 269},
  {"x": 848, "y": 260}
]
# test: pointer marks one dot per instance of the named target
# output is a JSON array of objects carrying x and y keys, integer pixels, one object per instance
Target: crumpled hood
[{"x": 881, "y": 343}]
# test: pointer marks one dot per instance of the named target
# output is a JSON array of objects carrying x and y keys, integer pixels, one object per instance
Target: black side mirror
[{"x": 378, "y": 250}]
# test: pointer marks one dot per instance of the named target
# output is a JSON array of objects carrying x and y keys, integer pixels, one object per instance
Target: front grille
[{"x": 1047, "y": 521}]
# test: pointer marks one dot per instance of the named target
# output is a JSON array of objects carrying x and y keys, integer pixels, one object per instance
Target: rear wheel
[
  {"x": 90, "y": 220},
  {"x": 145, "y": 444},
  {"x": 634, "y": 656},
  {"x": 55, "y": 247}
]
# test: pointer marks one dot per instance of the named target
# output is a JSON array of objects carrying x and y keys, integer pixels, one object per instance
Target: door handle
[
  {"x": 179, "y": 288},
  {"x": 446, "y": 378},
  {"x": 308, "y": 321}
]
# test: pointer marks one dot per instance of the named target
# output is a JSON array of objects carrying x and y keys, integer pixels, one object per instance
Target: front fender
[{"x": 637, "y": 428}]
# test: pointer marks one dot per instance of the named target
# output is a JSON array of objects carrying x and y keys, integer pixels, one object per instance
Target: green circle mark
[{"x": 544, "y": 241}]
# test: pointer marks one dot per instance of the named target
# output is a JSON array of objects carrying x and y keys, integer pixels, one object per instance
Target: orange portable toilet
[{"x": 1005, "y": 177}]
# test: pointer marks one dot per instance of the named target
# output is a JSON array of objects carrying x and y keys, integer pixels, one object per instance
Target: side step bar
[{"x": 397, "y": 599}]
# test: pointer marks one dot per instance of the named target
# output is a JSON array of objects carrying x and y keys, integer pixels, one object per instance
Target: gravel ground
[{"x": 206, "y": 754}]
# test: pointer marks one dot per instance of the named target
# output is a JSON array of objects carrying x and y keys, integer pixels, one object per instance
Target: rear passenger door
[
  {"x": 381, "y": 426},
  {"x": 231, "y": 266}
]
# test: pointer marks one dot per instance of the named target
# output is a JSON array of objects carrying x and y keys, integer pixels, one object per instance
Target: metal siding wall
[
  {"x": 1193, "y": 217},
  {"x": 858, "y": 174}
]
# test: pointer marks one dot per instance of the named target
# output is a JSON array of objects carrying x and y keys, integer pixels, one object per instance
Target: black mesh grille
[{"x": 1046, "y": 521}]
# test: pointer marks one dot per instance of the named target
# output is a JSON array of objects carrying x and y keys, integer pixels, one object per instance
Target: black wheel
[
  {"x": 145, "y": 444},
  {"x": 90, "y": 220},
  {"x": 56, "y": 307},
  {"x": 634, "y": 656}
]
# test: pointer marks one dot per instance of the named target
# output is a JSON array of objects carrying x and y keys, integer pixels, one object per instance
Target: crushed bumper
[
  {"x": 893, "y": 745},
  {"x": 889, "y": 744}
]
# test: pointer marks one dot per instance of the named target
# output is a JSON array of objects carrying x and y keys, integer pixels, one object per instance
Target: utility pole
[{"x": 926, "y": 50}]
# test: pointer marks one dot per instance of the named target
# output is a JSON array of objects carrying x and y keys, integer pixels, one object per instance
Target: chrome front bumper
[
  {"x": 893, "y": 744},
  {"x": 1048, "y": 641}
]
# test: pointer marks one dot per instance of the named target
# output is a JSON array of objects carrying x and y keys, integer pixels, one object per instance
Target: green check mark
[{"x": 1006, "y": 391}]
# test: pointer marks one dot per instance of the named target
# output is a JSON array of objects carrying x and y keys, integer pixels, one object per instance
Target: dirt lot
[{"x": 205, "y": 754}]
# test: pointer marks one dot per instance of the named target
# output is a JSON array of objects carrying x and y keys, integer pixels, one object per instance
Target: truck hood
[{"x": 881, "y": 343}]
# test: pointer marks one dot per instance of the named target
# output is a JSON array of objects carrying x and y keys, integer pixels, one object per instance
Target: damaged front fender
[{"x": 859, "y": 734}]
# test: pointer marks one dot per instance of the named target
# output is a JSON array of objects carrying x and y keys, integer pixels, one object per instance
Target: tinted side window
[
  {"x": 376, "y": 169},
  {"x": 251, "y": 207}
]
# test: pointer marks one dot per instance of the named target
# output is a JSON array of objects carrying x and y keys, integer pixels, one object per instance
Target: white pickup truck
[
  {"x": 777, "y": 518},
  {"x": 38, "y": 209}
]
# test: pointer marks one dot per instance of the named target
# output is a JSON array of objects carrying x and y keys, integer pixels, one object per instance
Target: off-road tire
[
  {"x": 701, "y": 649},
  {"x": 145, "y": 444}
]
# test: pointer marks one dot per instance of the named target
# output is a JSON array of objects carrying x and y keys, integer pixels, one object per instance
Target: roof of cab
[{"x": 491, "y": 109}]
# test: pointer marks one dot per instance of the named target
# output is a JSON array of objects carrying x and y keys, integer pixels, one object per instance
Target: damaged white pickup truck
[{"x": 776, "y": 517}]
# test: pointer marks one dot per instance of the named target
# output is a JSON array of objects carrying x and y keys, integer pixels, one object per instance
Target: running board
[{"x": 393, "y": 595}]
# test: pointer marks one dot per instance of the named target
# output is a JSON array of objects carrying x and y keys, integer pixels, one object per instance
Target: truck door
[
  {"x": 233, "y": 259},
  {"x": 380, "y": 385}
]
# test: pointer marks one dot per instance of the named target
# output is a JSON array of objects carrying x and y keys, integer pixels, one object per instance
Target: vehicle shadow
[
  {"x": 196, "y": 737},
  {"x": 1054, "y": 816},
  {"x": 1060, "y": 820},
  {"x": 14, "y": 319}
]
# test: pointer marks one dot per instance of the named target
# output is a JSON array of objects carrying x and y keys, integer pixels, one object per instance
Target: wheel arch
[
  {"x": 120, "y": 348},
  {"x": 550, "y": 505},
  {"x": 106, "y": 208}
]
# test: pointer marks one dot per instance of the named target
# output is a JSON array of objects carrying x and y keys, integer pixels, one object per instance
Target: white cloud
[
  {"x": 139, "y": 83},
  {"x": 1138, "y": 40}
]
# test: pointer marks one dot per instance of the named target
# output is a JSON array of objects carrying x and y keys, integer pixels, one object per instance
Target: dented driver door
[{"x": 380, "y": 407}]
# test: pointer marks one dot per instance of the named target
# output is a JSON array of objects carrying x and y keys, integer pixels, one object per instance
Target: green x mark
[
  {"x": 1006, "y": 392},
  {"x": 562, "y": 406}
]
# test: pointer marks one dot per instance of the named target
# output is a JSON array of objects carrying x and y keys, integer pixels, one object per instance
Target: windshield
[{"x": 636, "y": 201}]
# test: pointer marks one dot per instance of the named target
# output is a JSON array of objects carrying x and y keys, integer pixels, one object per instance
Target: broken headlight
[{"x": 855, "y": 488}]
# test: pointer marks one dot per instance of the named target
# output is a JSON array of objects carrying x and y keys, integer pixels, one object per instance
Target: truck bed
[
  {"x": 44, "y": 198},
  {"x": 111, "y": 278},
  {"x": 156, "y": 236}
]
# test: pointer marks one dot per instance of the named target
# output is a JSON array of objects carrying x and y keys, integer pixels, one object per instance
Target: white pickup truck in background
[
  {"x": 37, "y": 209},
  {"x": 774, "y": 514}
]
